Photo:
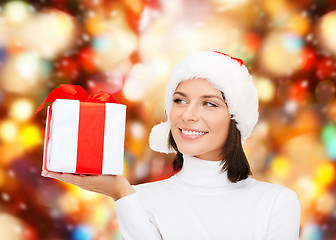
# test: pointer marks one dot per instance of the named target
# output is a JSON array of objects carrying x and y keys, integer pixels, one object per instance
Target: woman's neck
[
  {"x": 202, "y": 172},
  {"x": 204, "y": 176},
  {"x": 210, "y": 157}
]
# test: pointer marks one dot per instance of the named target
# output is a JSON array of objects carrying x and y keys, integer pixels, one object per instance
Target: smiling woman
[
  {"x": 212, "y": 107},
  {"x": 221, "y": 129}
]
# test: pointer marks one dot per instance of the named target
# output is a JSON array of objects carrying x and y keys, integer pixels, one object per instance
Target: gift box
[{"x": 84, "y": 135}]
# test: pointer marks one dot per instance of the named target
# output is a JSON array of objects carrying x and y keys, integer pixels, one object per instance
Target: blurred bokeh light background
[{"x": 128, "y": 48}]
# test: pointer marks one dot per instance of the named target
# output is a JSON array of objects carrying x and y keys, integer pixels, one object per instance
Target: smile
[{"x": 191, "y": 134}]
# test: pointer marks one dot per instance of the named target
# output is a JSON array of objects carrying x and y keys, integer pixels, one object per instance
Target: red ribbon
[
  {"x": 90, "y": 129},
  {"x": 75, "y": 92},
  {"x": 47, "y": 140},
  {"x": 90, "y": 145}
]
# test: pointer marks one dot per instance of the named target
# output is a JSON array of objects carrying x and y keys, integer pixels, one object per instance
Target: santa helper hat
[{"x": 225, "y": 73}]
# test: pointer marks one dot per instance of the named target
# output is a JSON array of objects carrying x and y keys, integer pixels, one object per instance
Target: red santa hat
[{"x": 226, "y": 73}]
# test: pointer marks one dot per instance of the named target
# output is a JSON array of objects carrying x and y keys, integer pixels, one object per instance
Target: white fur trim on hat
[{"x": 227, "y": 74}]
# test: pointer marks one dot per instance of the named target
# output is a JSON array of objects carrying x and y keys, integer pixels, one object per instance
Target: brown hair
[{"x": 235, "y": 161}]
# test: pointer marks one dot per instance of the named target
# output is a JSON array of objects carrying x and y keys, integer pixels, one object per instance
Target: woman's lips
[{"x": 190, "y": 137}]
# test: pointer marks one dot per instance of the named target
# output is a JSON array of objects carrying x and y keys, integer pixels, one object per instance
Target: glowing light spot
[
  {"x": 22, "y": 109},
  {"x": 291, "y": 107},
  {"x": 83, "y": 194},
  {"x": 16, "y": 11},
  {"x": 82, "y": 232},
  {"x": 326, "y": 203},
  {"x": 265, "y": 89},
  {"x": 68, "y": 203},
  {"x": 325, "y": 174},
  {"x": 280, "y": 166},
  {"x": 292, "y": 42},
  {"x": 288, "y": 51},
  {"x": 22, "y": 73},
  {"x": 137, "y": 84},
  {"x": 311, "y": 231},
  {"x": 329, "y": 139},
  {"x": 5, "y": 197},
  {"x": 8, "y": 131},
  {"x": 274, "y": 7},
  {"x": 28, "y": 64},
  {"x": 137, "y": 130},
  {"x": 94, "y": 25},
  {"x": 102, "y": 43},
  {"x": 41, "y": 33},
  {"x": 326, "y": 31},
  {"x": 306, "y": 188},
  {"x": 100, "y": 215},
  {"x": 30, "y": 136},
  {"x": 11, "y": 227},
  {"x": 298, "y": 23}
]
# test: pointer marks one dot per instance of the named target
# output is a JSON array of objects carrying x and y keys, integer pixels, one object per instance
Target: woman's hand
[{"x": 115, "y": 186}]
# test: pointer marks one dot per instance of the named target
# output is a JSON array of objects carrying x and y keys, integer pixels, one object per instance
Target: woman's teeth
[{"x": 192, "y": 132}]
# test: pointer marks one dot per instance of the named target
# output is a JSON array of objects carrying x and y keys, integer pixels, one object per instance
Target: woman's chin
[{"x": 188, "y": 151}]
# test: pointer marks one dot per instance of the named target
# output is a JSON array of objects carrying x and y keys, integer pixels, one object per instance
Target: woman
[{"x": 212, "y": 107}]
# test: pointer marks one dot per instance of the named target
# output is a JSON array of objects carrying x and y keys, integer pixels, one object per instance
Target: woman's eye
[
  {"x": 177, "y": 100},
  {"x": 210, "y": 104}
]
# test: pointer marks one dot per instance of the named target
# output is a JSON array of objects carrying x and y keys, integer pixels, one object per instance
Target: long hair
[{"x": 234, "y": 161}]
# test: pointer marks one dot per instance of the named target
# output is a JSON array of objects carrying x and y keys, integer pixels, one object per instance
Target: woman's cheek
[
  {"x": 217, "y": 121},
  {"x": 174, "y": 114}
]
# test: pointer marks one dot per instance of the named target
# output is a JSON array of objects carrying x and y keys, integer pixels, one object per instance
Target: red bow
[{"x": 76, "y": 92}]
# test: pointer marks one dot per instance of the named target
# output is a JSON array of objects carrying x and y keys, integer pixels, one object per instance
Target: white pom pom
[{"x": 156, "y": 141}]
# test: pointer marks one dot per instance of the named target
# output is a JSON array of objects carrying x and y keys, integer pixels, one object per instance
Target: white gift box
[{"x": 84, "y": 137}]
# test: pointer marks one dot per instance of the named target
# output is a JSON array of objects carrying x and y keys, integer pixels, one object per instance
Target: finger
[
  {"x": 44, "y": 173},
  {"x": 55, "y": 175},
  {"x": 72, "y": 178},
  {"x": 64, "y": 177}
]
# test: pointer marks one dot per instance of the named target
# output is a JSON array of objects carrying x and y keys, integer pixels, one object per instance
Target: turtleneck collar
[{"x": 205, "y": 176}]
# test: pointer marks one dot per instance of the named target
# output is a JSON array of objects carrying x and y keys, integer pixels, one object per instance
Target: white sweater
[{"x": 198, "y": 202}]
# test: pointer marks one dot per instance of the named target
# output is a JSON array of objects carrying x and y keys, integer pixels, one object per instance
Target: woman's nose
[{"x": 191, "y": 113}]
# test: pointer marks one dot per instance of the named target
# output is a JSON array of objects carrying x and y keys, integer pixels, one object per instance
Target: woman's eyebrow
[{"x": 204, "y": 96}]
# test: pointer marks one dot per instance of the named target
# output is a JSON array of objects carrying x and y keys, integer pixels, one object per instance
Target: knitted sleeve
[
  {"x": 133, "y": 221},
  {"x": 285, "y": 217}
]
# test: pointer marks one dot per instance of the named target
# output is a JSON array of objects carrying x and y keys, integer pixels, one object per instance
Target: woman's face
[{"x": 199, "y": 119}]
